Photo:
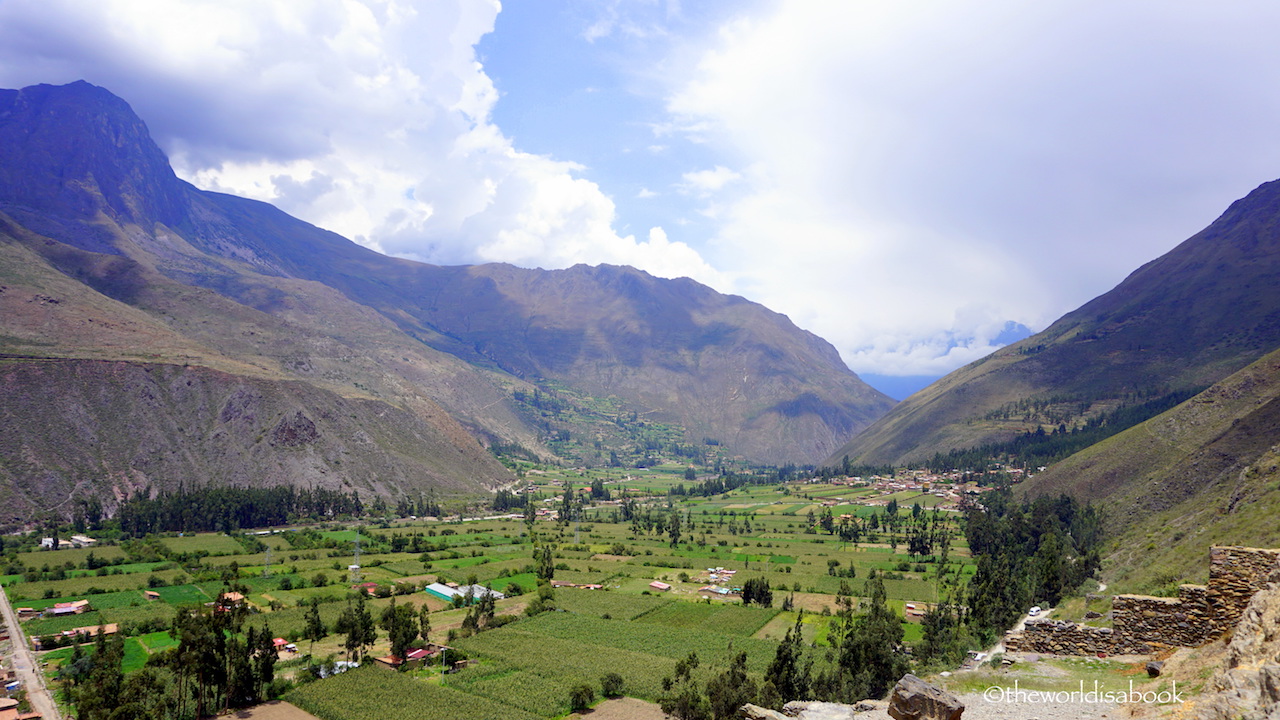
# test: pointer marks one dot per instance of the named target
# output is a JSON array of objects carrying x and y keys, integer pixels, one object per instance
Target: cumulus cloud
[
  {"x": 1010, "y": 159},
  {"x": 368, "y": 117}
]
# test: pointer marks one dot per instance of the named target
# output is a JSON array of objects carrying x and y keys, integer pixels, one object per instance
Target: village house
[
  {"x": 9, "y": 711},
  {"x": 76, "y": 607},
  {"x": 447, "y": 593}
]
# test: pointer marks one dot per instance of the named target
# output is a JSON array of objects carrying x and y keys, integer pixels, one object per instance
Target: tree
[
  {"x": 546, "y": 600},
  {"x": 356, "y": 622},
  {"x": 681, "y": 696},
  {"x": 946, "y": 639},
  {"x": 870, "y": 659},
  {"x": 424, "y": 623},
  {"x": 147, "y": 694},
  {"x": 98, "y": 696},
  {"x": 789, "y": 673},
  {"x": 264, "y": 660},
  {"x": 315, "y": 629},
  {"x": 401, "y": 624},
  {"x": 756, "y": 590},
  {"x": 730, "y": 690},
  {"x": 544, "y": 558}
]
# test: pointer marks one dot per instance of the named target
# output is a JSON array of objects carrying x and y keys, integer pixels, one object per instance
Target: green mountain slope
[
  {"x": 1206, "y": 472},
  {"x": 1185, "y": 320}
]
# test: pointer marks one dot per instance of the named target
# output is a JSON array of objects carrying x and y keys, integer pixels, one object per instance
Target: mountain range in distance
[{"x": 154, "y": 334}]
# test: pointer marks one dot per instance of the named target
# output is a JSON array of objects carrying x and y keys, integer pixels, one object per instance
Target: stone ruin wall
[
  {"x": 1141, "y": 623},
  {"x": 1056, "y": 637}
]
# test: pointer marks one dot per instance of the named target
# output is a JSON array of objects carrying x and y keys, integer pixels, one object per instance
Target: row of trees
[
  {"x": 1038, "y": 447},
  {"x": 226, "y": 509}
]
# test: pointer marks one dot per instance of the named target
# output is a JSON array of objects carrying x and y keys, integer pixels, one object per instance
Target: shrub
[
  {"x": 581, "y": 698},
  {"x": 611, "y": 685}
]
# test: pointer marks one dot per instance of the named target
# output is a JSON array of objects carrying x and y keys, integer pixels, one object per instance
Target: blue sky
[{"x": 903, "y": 179}]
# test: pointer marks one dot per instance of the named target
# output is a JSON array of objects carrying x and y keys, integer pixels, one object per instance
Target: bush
[
  {"x": 581, "y": 698},
  {"x": 611, "y": 685}
]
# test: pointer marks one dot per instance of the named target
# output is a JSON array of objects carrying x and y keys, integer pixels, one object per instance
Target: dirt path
[
  {"x": 1022, "y": 622},
  {"x": 626, "y": 708},
  {"x": 24, "y": 663},
  {"x": 274, "y": 710}
]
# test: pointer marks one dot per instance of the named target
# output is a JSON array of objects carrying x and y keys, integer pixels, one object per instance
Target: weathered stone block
[{"x": 915, "y": 699}]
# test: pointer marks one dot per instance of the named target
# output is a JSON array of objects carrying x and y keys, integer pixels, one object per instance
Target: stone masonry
[{"x": 1140, "y": 623}]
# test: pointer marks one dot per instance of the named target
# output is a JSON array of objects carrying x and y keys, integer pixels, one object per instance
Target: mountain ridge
[
  {"x": 1178, "y": 322},
  {"x": 106, "y": 256}
]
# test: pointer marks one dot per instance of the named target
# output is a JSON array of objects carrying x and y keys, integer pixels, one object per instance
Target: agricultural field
[{"x": 528, "y": 667}]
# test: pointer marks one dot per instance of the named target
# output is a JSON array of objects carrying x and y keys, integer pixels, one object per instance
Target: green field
[
  {"x": 526, "y": 668},
  {"x": 371, "y": 692},
  {"x": 212, "y": 543}
]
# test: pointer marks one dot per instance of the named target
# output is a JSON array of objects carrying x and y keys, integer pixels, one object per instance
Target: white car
[{"x": 1034, "y": 611}]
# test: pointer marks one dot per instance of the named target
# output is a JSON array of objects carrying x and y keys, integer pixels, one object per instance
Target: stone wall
[
  {"x": 1186, "y": 620},
  {"x": 1236, "y": 574},
  {"x": 1057, "y": 637},
  {"x": 1199, "y": 614}
]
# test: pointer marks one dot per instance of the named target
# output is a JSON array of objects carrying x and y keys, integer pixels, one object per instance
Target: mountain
[
  {"x": 158, "y": 334},
  {"x": 1204, "y": 473},
  {"x": 1180, "y": 323}
]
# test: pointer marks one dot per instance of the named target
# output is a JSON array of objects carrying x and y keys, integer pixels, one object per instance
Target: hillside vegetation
[{"x": 1204, "y": 473}]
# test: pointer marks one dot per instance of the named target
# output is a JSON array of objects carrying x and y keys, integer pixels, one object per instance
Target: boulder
[
  {"x": 915, "y": 699},
  {"x": 755, "y": 712},
  {"x": 815, "y": 710}
]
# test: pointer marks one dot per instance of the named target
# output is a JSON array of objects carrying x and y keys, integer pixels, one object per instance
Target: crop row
[
  {"x": 372, "y": 693},
  {"x": 719, "y": 618}
]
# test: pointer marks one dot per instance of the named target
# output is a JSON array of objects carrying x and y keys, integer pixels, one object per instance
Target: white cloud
[
  {"x": 367, "y": 117},
  {"x": 704, "y": 183},
  {"x": 1007, "y": 158}
]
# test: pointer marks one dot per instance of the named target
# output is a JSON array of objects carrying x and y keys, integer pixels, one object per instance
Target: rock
[
  {"x": 1092, "y": 615},
  {"x": 870, "y": 705},
  {"x": 1154, "y": 668},
  {"x": 755, "y": 712},
  {"x": 915, "y": 699},
  {"x": 815, "y": 710}
]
